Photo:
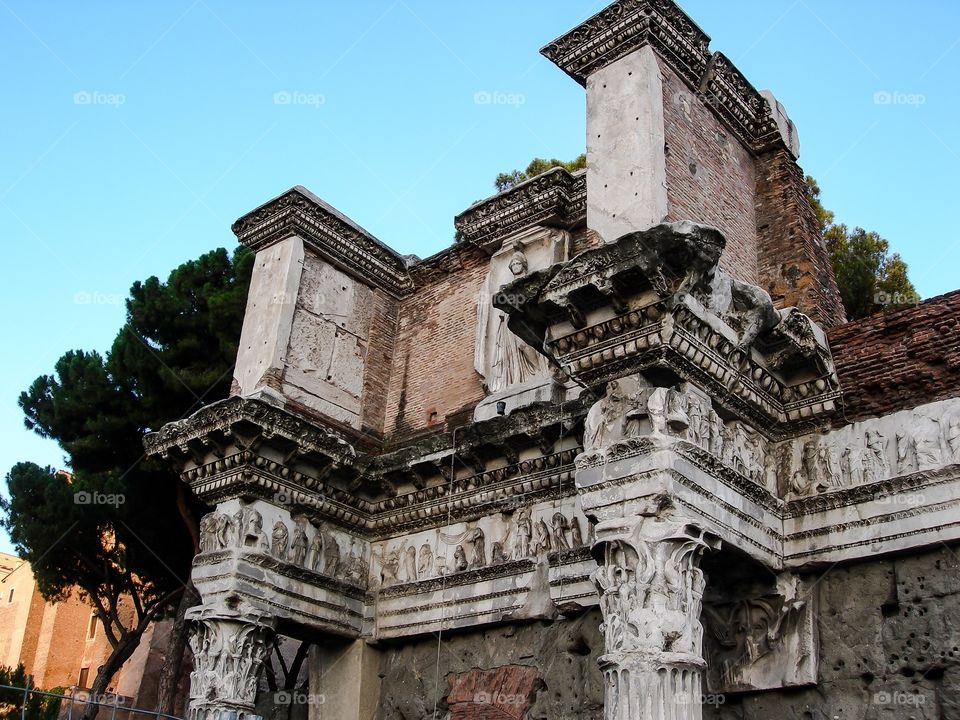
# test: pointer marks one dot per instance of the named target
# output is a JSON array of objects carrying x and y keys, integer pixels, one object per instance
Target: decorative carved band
[
  {"x": 556, "y": 198},
  {"x": 334, "y": 236},
  {"x": 628, "y": 25},
  {"x": 248, "y": 475}
]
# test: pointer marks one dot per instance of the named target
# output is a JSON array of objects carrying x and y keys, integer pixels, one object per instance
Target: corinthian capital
[
  {"x": 228, "y": 654},
  {"x": 651, "y": 587}
]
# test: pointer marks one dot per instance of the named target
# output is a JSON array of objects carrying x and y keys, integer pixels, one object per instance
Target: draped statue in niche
[{"x": 507, "y": 360}]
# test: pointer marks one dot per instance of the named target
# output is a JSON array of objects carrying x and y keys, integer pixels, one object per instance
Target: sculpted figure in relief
[
  {"x": 953, "y": 438},
  {"x": 410, "y": 565},
  {"x": 511, "y": 361},
  {"x": 459, "y": 559},
  {"x": 281, "y": 539},
  {"x": 251, "y": 534},
  {"x": 699, "y": 433},
  {"x": 478, "y": 540},
  {"x": 223, "y": 530},
  {"x": 541, "y": 543},
  {"x": 875, "y": 466},
  {"x": 830, "y": 471},
  {"x": 560, "y": 527},
  {"x": 425, "y": 566},
  {"x": 298, "y": 550},
  {"x": 906, "y": 453},
  {"x": 331, "y": 551},
  {"x": 207, "y": 535},
  {"x": 927, "y": 443},
  {"x": 604, "y": 421},
  {"x": 524, "y": 533},
  {"x": 576, "y": 535},
  {"x": 316, "y": 552},
  {"x": 852, "y": 466},
  {"x": 357, "y": 568}
]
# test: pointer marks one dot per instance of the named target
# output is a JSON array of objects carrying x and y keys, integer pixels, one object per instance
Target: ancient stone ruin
[{"x": 614, "y": 453}]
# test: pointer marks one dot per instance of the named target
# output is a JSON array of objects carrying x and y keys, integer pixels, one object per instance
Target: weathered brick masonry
[
  {"x": 793, "y": 261},
  {"x": 710, "y": 175},
  {"x": 897, "y": 360}
]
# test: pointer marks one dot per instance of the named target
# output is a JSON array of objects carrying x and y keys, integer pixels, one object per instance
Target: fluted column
[
  {"x": 228, "y": 654},
  {"x": 651, "y": 590}
]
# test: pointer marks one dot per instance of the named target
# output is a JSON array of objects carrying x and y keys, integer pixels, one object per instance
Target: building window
[
  {"x": 84, "y": 676},
  {"x": 92, "y": 629}
]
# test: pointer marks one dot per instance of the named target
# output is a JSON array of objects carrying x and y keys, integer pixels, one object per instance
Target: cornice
[
  {"x": 784, "y": 383},
  {"x": 554, "y": 198},
  {"x": 247, "y": 420},
  {"x": 629, "y": 25},
  {"x": 334, "y": 236},
  {"x": 625, "y": 26}
]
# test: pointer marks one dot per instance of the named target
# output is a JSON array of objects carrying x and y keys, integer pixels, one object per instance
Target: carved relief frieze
[
  {"x": 529, "y": 533},
  {"x": 763, "y": 642},
  {"x": 922, "y": 440},
  {"x": 295, "y": 543}
]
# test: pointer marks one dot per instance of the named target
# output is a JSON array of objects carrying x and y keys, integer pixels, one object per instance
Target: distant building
[{"x": 60, "y": 644}]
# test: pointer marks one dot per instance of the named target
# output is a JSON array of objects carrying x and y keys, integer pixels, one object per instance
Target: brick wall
[
  {"x": 583, "y": 239},
  {"x": 710, "y": 175},
  {"x": 898, "y": 360},
  {"x": 432, "y": 374},
  {"x": 504, "y": 692},
  {"x": 793, "y": 261}
]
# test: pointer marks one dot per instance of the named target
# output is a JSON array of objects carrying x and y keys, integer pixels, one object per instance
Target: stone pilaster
[
  {"x": 228, "y": 653},
  {"x": 651, "y": 591}
]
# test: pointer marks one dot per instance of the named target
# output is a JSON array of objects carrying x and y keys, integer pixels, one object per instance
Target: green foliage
[
  {"x": 116, "y": 527},
  {"x": 38, "y": 707},
  {"x": 869, "y": 277},
  {"x": 505, "y": 181}
]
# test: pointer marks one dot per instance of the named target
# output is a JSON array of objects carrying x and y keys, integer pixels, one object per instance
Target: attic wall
[
  {"x": 432, "y": 375},
  {"x": 710, "y": 175}
]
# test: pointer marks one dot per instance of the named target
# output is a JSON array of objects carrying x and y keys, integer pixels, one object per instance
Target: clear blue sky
[{"x": 177, "y": 131}]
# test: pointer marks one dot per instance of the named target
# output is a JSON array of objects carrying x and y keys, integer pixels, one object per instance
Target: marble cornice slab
[
  {"x": 555, "y": 198},
  {"x": 628, "y": 25},
  {"x": 328, "y": 232}
]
